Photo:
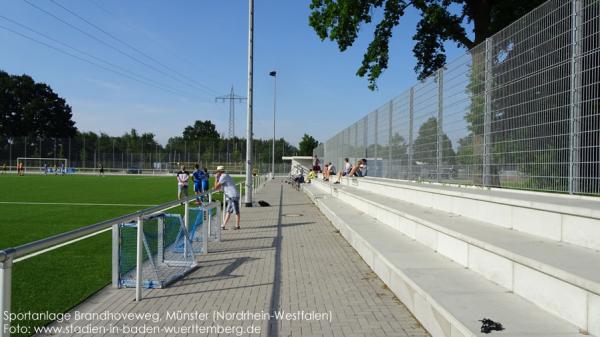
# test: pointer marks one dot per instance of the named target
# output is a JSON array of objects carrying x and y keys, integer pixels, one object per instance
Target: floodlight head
[{"x": 273, "y": 73}]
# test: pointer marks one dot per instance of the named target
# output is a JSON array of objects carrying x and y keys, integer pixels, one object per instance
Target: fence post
[
  {"x": 5, "y": 294},
  {"x": 389, "y": 170},
  {"x": 161, "y": 241},
  {"x": 205, "y": 234},
  {"x": 115, "y": 256},
  {"x": 139, "y": 260},
  {"x": 186, "y": 224},
  {"x": 186, "y": 215},
  {"x": 10, "y": 164},
  {"x": 440, "y": 123},
  {"x": 365, "y": 138},
  {"x": 487, "y": 114},
  {"x": 575, "y": 98},
  {"x": 376, "y": 142},
  {"x": 224, "y": 208},
  {"x": 210, "y": 213},
  {"x": 410, "y": 132},
  {"x": 355, "y": 150},
  {"x": 83, "y": 153}
]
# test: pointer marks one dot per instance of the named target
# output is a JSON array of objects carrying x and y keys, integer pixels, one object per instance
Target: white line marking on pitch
[{"x": 69, "y": 204}]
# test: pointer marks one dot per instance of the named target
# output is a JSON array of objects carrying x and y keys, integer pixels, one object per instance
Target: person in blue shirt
[
  {"x": 205, "y": 180},
  {"x": 199, "y": 177}
]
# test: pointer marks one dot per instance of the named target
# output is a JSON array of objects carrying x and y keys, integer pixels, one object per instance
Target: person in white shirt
[
  {"x": 360, "y": 169},
  {"x": 330, "y": 170},
  {"x": 225, "y": 182},
  {"x": 182, "y": 183},
  {"x": 345, "y": 172}
]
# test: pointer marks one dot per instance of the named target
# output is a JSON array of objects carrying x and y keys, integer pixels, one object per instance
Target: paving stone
[{"x": 286, "y": 257}]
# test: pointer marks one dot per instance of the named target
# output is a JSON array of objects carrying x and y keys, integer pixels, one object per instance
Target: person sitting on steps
[
  {"x": 329, "y": 172},
  {"x": 360, "y": 169},
  {"x": 347, "y": 169}
]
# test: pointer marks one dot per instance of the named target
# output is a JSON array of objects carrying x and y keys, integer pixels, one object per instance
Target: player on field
[
  {"x": 101, "y": 167},
  {"x": 45, "y": 168},
  {"x": 182, "y": 183},
  {"x": 198, "y": 176},
  {"x": 3, "y": 168},
  {"x": 205, "y": 181}
]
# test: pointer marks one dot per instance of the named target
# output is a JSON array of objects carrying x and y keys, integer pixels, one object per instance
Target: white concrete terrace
[{"x": 558, "y": 278}]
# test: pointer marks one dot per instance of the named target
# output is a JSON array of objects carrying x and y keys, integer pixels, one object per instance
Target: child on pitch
[
  {"x": 182, "y": 183},
  {"x": 225, "y": 182},
  {"x": 198, "y": 176}
]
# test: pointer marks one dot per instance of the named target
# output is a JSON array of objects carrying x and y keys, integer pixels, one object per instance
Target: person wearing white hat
[{"x": 225, "y": 182}]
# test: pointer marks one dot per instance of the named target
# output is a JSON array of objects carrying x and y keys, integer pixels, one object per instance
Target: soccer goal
[
  {"x": 198, "y": 216},
  {"x": 170, "y": 245},
  {"x": 51, "y": 165}
]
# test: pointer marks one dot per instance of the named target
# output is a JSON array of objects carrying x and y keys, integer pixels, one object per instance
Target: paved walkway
[{"x": 287, "y": 258}]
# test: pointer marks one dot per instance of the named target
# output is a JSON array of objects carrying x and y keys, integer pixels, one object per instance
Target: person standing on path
[{"x": 225, "y": 182}]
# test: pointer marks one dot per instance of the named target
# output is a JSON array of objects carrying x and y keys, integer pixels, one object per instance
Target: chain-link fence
[
  {"x": 518, "y": 111},
  {"x": 87, "y": 155}
]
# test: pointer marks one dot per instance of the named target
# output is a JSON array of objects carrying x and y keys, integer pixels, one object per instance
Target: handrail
[
  {"x": 10, "y": 255},
  {"x": 32, "y": 247}
]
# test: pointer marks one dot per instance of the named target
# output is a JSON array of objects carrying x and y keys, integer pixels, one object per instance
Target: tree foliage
[
  {"x": 201, "y": 130},
  {"x": 32, "y": 109},
  {"x": 441, "y": 21},
  {"x": 426, "y": 144},
  {"x": 307, "y": 144},
  {"x": 202, "y": 139}
]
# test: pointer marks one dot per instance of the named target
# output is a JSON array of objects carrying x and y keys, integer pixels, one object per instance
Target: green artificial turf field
[{"x": 34, "y": 207}]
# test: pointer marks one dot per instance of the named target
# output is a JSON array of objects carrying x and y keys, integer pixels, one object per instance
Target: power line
[
  {"x": 119, "y": 18},
  {"x": 86, "y": 60},
  {"x": 103, "y": 42},
  {"x": 190, "y": 80},
  {"x": 120, "y": 69},
  {"x": 231, "y": 98}
]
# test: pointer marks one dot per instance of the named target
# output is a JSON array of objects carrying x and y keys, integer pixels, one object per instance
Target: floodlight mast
[
  {"x": 274, "y": 74},
  {"x": 249, "y": 163}
]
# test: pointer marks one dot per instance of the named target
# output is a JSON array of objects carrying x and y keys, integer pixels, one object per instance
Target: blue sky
[{"x": 206, "y": 42}]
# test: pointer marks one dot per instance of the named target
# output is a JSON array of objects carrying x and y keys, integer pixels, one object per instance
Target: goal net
[
  {"x": 44, "y": 165},
  {"x": 170, "y": 246},
  {"x": 202, "y": 216}
]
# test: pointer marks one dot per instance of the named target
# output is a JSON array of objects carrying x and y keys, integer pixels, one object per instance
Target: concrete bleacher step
[
  {"x": 559, "y": 217},
  {"x": 561, "y": 278},
  {"x": 447, "y": 298},
  {"x": 568, "y": 262}
]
